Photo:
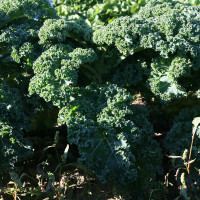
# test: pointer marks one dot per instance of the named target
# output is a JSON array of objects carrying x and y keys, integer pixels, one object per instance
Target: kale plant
[
  {"x": 18, "y": 49},
  {"x": 99, "y": 117},
  {"x": 91, "y": 74},
  {"x": 14, "y": 147},
  {"x": 166, "y": 33}
]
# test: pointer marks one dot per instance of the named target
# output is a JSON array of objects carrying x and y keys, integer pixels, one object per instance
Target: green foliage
[
  {"x": 97, "y": 11},
  {"x": 90, "y": 73},
  {"x": 18, "y": 50},
  {"x": 56, "y": 70},
  {"x": 110, "y": 132},
  {"x": 101, "y": 12},
  {"x": 171, "y": 31},
  {"x": 113, "y": 136},
  {"x": 183, "y": 130},
  {"x": 84, "y": 71},
  {"x": 13, "y": 148},
  {"x": 191, "y": 2},
  {"x": 18, "y": 9},
  {"x": 55, "y": 31},
  {"x": 164, "y": 76},
  {"x": 18, "y": 34}
]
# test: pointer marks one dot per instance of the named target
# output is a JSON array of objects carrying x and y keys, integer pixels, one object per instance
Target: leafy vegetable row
[{"x": 91, "y": 73}]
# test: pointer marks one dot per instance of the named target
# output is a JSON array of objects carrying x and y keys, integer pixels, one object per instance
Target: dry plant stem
[
  {"x": 15, "y": 192},
  {"x": 188, "y": 165}
]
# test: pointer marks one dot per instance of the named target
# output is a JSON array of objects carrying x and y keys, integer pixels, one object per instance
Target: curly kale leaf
[
  {"x": 56, "y": 72},
  {"x": 164, "y": 76},
  {"x": 166, "y": 27},
  {"x": 15, "y": 9},
  {"x": 58, "y": 30},
  {"x": 13, "y": 147},
  {"x": 18, "y": 43},
  {"x": 16, "y": 34},
  {"x": 19, "y": 30},
  {"x": 178, "y": 26},
  {"x": 11, "y": 106},
  {"x": 113, "y": 136},
  {"x": 118, "y": 33}
]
